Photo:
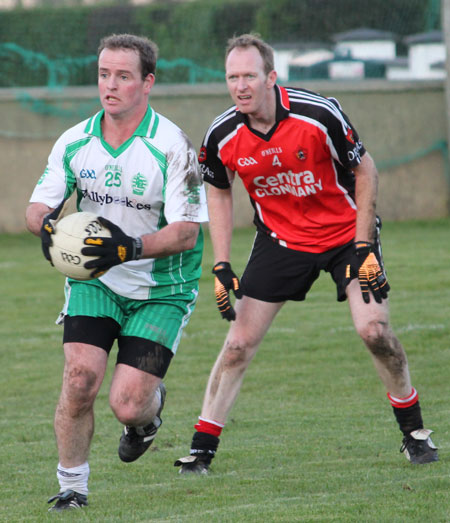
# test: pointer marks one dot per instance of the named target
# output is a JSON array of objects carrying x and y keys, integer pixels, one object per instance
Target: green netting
[
  {"x": 59, "y": 71},
  {"x": 56, "y": 47},
  {"x": 440, "y": 146},
  {"x": 75, "y": 110},
  {"x": 194, "y": 73}
]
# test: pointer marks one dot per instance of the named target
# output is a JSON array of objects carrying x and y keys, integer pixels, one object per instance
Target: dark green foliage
[
  {"x": 197, "y": 31},
  {"x": 293, "y": 20}
]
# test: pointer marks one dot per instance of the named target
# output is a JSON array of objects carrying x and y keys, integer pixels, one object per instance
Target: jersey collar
[
  {"x": 146, "y": 128},
  {"x": 283, "y": 104},
  {"x": 282, "y": 107}
]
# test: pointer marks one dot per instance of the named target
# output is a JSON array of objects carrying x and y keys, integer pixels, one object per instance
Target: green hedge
[
  {"x": 290, "y": 20},
  {"x": 196, "y": 31}
]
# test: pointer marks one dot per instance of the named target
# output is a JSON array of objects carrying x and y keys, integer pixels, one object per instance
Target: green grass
[{"x": 311, "y": 437}]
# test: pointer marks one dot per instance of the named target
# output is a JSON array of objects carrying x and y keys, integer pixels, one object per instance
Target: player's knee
[
  {"x": 79, "y": 387},
  {"x": 237, "y": 354},
  {"x": 127, "y": 408},
  {"x": 373, "y": 331},
  {"x": 127, "y": 415},
  {"x": 382, "y": 342}
]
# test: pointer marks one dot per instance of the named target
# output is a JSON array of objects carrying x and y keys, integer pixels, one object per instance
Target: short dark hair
[
  {"x": 146, "y": 49},
  {"x": 255, "y": 40}
]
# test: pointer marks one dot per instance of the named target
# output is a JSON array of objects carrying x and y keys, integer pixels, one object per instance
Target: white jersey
[{"x": 151, "y": 180}]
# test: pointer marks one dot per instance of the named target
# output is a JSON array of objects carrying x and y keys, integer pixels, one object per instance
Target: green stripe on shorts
[{"x": 161, "y": 320}]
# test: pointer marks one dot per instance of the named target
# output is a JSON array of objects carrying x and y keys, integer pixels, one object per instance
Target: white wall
[
  {"x": 282, "y": 59},
  {"x": 422, "y": 56},
  {"x": 383, "y": 50}
]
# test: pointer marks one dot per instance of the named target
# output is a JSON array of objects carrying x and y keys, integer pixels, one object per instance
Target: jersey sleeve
[
  {"x": 211, "y": 166},
  {"x": 185, "y": 198},
  {"x": 346, "y": 146},
  {"x": 53, "y": 185}
]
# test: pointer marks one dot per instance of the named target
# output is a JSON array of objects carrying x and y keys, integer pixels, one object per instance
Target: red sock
[
  {"x": 403, "y": 403},
  {"x": 209, "y": 427}
]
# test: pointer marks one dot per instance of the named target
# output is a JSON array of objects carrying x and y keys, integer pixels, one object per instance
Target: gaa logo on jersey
[
  {"x": 139, "y": 183},
  {"x": 302, "y": 154},
  {"x": 242, "y": 162},
  {"x": 88, "y": 173}
]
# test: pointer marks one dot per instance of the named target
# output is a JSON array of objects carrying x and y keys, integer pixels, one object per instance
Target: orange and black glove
[
  {"x": 364, "y": 266},
  {"x": 226, "y": 280},
  {"x": 110, "y": 251}
]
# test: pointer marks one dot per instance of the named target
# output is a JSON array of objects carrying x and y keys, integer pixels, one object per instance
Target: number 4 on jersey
[{"x": 276, "y": 161}]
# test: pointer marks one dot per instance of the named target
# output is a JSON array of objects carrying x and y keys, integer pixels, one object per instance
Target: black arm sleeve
[{"x": 212, "y": 168}]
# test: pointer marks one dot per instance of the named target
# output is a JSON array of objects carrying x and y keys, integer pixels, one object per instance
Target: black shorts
[
  {"x": 275, "y": 273},
  {"x": 140, "y": 353}
]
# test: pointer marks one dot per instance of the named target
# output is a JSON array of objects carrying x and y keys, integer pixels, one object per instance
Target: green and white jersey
[{"x": 151, "y": 180}]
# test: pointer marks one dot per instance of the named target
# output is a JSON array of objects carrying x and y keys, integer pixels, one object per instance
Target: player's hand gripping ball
[
  {"x": 68, "y": 240},
  {"x": 112, "y": 249}
]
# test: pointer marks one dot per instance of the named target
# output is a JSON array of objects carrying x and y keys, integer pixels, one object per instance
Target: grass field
[{"x": 312, "y": 436}]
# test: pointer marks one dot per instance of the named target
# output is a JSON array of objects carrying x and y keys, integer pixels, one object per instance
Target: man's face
[
  {"x": 121, "y": 87},
  {"x": 248, "y": 84}
]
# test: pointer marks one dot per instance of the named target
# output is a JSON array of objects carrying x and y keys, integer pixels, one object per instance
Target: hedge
[{"x": 197, "y": 31}]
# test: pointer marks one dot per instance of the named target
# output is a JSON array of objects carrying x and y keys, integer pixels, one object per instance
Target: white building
[
  {"x": 298, "y": 53},
  {"x": 425, "y": 61},
  {"x": 363, "y": 53},
  {"x": 357, "y": 54},
  {"x": 366, "y": 44}
]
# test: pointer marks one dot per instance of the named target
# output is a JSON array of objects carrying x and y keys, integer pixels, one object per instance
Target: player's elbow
[
  {"x": 34, "y": 215},
  {"x": 28, "y": 222},
  {"x": 188, "y": 234}
]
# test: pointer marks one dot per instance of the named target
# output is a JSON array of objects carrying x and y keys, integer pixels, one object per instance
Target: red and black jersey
[{"x": 299, "y": 175}]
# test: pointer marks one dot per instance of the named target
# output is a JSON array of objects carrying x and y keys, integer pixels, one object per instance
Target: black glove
[
  {"x": 364, "y": 266},
  {"x": 110, "y": 251},
  {"x": 225, "y": 281},
  {"x": 48, "y": 228}
]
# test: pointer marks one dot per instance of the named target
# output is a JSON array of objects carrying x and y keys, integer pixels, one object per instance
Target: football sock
[
  {"x": 206, "y": 440},
  {"x": 407, "y": 412},
  {"x": 74, "y": 478},
  {"x": 209, "y": 427},
  {"x": 204, "y": 446}
]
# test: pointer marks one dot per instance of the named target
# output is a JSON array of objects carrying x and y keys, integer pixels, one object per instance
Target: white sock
[{"x": 74, "y": 478}]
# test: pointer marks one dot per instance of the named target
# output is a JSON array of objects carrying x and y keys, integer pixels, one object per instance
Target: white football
[{"x": 68, "y": 240}]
